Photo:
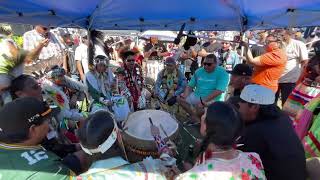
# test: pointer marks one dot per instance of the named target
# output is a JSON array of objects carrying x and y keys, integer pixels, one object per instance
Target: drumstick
[
  {"x": 150, "y": 121},
  {"x": 165, "y": 133}
]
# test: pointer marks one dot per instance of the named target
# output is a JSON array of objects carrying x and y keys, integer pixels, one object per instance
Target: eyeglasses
[{"x": 207, "y": 64}]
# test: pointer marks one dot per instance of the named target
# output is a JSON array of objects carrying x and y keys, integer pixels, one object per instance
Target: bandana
[{"x": 106, "y": 145}]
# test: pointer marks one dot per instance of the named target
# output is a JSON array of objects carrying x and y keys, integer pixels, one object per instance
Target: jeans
[{"x": 285, "y": 89}]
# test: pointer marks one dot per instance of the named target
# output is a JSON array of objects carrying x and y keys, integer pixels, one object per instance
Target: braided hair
[
  {"x": 312, "y": 66},
  {"x": 95, "y": 131},
  {"x": 223, "y": 126}
]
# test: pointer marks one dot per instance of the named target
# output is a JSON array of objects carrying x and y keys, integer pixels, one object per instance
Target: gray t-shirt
[
  {"x": 296, "y": 53},
  {"x": 211, "y": 47}
]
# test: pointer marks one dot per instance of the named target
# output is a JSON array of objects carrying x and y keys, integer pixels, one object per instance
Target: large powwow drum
[
  {"x": 137, "y": 137},
  {"x": 153, "y": 68}
]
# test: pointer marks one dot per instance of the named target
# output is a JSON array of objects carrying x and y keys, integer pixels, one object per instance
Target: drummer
[
  {"x": 170, "y": 83},
  {"x": 63, "y": 92},
  {"x": 134, "y": 80},
  {"x": 100, "y": 137},
  {"x": 221, "y": 126},
  {"x": 99, "y": 81}
]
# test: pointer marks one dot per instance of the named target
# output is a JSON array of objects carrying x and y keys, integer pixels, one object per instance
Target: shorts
[{"x": 194, "y": 100}]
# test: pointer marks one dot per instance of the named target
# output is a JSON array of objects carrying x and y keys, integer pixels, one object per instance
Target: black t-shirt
[
  {"x": 278, "y": 146},
  {"x": 159, "y": 46}
]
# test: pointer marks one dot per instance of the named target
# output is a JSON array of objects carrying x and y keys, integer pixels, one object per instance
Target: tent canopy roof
[{"x": 163, "y": 14}]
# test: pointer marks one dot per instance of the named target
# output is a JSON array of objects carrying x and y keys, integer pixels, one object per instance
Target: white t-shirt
[
  {"x": 81, "y": 55},
  {"x": 187, "y": 65},
  {"x": 296, "y": 53}
]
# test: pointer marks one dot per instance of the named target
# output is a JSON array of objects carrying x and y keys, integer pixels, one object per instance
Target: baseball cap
[
  {"x": 242, "y": 70},
  {"x": 257, "y": 94},
  {"x": 170, "y": 60},
  {"x": 20, "y": 114}
]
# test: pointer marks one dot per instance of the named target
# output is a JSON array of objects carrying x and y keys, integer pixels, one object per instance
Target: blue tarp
[{"x": 163, "y": 14}]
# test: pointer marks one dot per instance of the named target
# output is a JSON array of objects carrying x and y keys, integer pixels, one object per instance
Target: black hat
[
  {"x": 242, "y": 70},
  {"x": 19, "y": 115}
]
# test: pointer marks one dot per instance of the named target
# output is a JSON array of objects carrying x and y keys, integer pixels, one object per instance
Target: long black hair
[
  {"x": 312, "y": 66},
  {"x": 18, "y": 84},
  {"x": 223, "y": 126},
  {"x": 95, "y": 131}
]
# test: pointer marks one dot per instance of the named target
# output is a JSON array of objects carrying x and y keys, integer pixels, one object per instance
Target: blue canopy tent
[{"x": 236, "y": 15}]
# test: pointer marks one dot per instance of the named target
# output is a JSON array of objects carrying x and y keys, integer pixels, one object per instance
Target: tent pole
[
  {"x": 242, "y": 38},
  {"x": 89, "y": 46}
]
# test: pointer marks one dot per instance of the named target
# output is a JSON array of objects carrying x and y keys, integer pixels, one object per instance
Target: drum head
[{"x": 138, "y": 124}]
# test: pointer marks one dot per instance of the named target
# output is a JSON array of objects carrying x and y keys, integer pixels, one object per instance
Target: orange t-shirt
[{"x": 269, "y": 73}]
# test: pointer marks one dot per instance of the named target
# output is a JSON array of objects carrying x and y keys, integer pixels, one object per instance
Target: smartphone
[{"x": 237, "y": 38}]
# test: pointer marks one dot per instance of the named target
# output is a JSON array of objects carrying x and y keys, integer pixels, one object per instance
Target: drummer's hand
[
  {"x": 172, "y": 146},
  {"x": 183, "y": 96},
  {"x": 200, "y": 105},
  {"x": 107, "y": 102},
  {"x": 154, "y": 130},
  {"x": 187, "y": 165},
  {"x": 172, "y": 172}
]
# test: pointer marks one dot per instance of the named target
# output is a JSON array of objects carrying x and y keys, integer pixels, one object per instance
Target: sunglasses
[
  {"x": 170, "y": 65},
  {"x": 207, "y": 64},
  {"x": 101, "y": 62},
  {"x": 270, "y": 41},
  {"x": 44, "y": 28},
  {"x": 130, "y": 60}
]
